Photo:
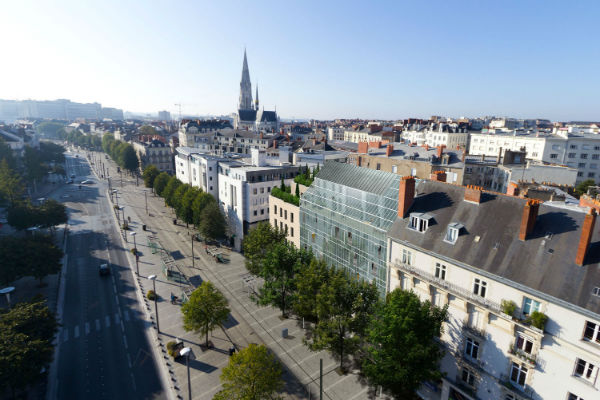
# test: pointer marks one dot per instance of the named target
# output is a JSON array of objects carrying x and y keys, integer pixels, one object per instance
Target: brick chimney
[
  {"x": 530, "y": 213},
  {"x": 314, "y": 142},
  {"x": 261, "y": 135},
  {"x": 473, "y": 194},
  {"x": 406, "y": 195},
  {"x": 439, "y": 176},
  {"x": 358, "y": 161},
  {"x": 513, "y": 189},
  {"x": 389, "y": 150},
  {"x": 440, "y": 150},
  {"x": 275, "y": 143},
  {"x": 586, "y": 236},
  {"x": 363, "y": 147}
]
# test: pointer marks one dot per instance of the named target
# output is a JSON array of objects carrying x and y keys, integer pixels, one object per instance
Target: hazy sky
[{"x": 320, "y": 59}]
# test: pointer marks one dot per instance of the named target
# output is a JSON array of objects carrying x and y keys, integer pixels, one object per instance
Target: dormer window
[
  {"x": 453, "y": 232},
  {"x": 419, "y": 221}
]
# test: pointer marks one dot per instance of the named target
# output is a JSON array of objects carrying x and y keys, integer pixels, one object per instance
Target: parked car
[
  {"x": 104, "y": 270},
  {"x": 87, "y": 182}
]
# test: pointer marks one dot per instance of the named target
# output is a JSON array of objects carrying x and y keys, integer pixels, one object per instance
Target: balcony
[
  {"x": 479, "y": 332},
  {"x": 450, "y": 287},
  {"x": 520, "y": 391},
  {"x": 523, "y": 356}
]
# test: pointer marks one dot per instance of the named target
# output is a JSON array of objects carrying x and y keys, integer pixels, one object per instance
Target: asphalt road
[{"x": 104, "y": 353}]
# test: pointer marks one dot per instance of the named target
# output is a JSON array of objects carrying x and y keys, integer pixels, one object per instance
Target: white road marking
[
  {"x": 97, "y": 324},
  {"x": 76, "y": 334},
  {"x": 87, "y": 328},
  {"x": 126, "y": 313},
  {"x": 107, "y": 321}
]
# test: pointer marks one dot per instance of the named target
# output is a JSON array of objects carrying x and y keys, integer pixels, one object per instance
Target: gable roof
[{"x": 544, "y": 262}]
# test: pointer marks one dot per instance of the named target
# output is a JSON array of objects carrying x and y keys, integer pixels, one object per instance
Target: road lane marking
[
  {"x": 87, "y": 328},
  {"x": 126, "y": 313},
  {"x": 116, "y": 318},
  {"x": 97, "y": 324},
  {"x": 66, "y": 335},
  {"x": 107, "y": 321},
  {"x": 76, "y": 334}
]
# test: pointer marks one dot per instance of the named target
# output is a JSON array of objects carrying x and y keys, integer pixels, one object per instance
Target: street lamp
[
  {"x": 116, "y": 197},
  {"x": 153, "y": 279},
  {"x": 146, "y": 200},
  {"x": 7, "y": 291},
  {"x": 186, "y": 353},
  {"x": 193, "y": 261},
  {"x": 137, "y": 266}
]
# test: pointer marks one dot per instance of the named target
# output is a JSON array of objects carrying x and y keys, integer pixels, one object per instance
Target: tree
[
  {"x": 147, "y": 130},
  {"x": 51, "y": 152},
  {"x": 26, "y": 333},
  {"x": 178, "y": 197},
  {"x": 130, "y": 159},
  {"x": 282, "y": 186},
  {"x": 278, "y": 269},
  {"x": 50, "y": 129},
  {"x": 42, "y": 257},
  {"x": 12, "y": 259},
  {"x": 342, "y": 307},
  {"x": 206, "y": 310},
  {"x": 160, "y": 183},
  {"x": 297, "y": 190},
  {"x": 52, "y": 214},
  {"x": 6, "y": 154},
  {"x": 11, "y": 187},
  {"x": 212, "y": 222},
  {"x": 403, "y": 352},
  {"x": 186, "y": 205},
  {"x": 258, "y": 242},
  {"x": 308, "y": 284},
  {"x": 34, "y": 170},
  {"x": 169, "y": 191},
  {"x": 22, "y": 216},
  {"x": 582, "y": 188},
  {"x": 253, "y": 373},
  {"x": 149, "y": 175},
  {"x": 200, "y": 202}
]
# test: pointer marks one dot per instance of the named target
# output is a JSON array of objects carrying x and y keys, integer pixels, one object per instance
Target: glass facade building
[{"x": 345, "y": 216}]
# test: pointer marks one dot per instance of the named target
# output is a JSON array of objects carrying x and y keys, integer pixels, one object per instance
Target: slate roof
[
  {"x": 544, "y": 262},
  {"x": 268, "y": 116},
  {"x": 247, "y": 115}
]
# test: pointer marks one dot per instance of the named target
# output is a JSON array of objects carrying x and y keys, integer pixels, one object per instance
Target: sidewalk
[{"x": 248, "y": 323}]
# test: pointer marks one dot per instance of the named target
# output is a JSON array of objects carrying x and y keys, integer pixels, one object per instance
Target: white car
[{"x": 86, "y": 182}]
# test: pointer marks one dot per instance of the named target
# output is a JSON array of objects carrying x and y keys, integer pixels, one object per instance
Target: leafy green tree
[
  {"x": 147, "y": 130},
  {"x": 258, "y": 242},
  {"x": 43, "y": 258},
  {"x": 282, "y": 186},
  {"x": 169, "y": 192},
  {"x": 342, "y": 307},
  {"x": 206, "y": 310},
  {"x": 150, "y": 173},
  {"x": 212, "y": 222},
  {"x": 50, "y": 129},
  {"x": 178, "y": 197},
  {"x": 309, "y": 281},
  {"x": 297, "y": 190},
  {"x": 26, "y": 333},
  {"x": 107, "y": 140},
  {"x": 12, "y": 259},
  {"x": 403, "y": 351},
  {"x": 22, "y": 216},
  {"x": 160, "y": 183},
  {"x": 11, "y": 187},
  {"x": 279, "y": 268},
  {"x": 582, "y": 188},
  {"x": 130, "y": 159},
  {"x": 52, "y": 152},
  {"x": 34, "y": 169},
  {"x": 186, "y": 205},
  {"x": 6, "y": 154},
  {"x": 200, "y": 202},
  {"x": 53, "y": 213},
  {"x": 253, "y": 373}
]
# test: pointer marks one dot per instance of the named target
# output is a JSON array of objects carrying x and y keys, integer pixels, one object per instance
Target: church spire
[
  {"x": 256, "y": 99},
  {"x": 245, "y": 87}
]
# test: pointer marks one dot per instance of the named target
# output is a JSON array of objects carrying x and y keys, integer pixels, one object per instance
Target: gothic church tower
[{"x": 245, "y": 88}]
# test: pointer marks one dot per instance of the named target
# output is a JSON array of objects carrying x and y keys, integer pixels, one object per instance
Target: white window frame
[
  {"x": 479, "y": 287},
  {"x": 521, "y": 371},
  {"x": 472, "y": 348},
  {"x": 440, "y": 271},
  {"x": 595, "y": 328},
  {"x": 522, "y": 346},
  {"x": 533, "y": 306},
  {"x": 589, "y": 370},
  {"x": 571, "y": 396},
  {"x": 451, "y": 235},
  {"x": 406, "y": 257}
]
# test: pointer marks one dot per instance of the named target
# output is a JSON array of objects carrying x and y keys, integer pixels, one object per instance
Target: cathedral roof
[{"x": 247, "y": 115}]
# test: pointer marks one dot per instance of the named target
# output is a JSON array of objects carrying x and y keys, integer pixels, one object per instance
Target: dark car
[{"x": 104, "y": 270}]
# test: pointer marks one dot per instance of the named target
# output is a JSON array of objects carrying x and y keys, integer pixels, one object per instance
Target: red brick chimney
[
  {"x": 440, "y": 150},
  {"x": 406, "y": 195},
  {"x": 389, "y": 150},
  {"x": 275, "y": 143},
  {"x": 314, "y": 142},
  {"x": 261, "y": 135},
  {"x": 363, "y": 147},
  {"x": 439, "y": 176},
  {"x": 586, "y": 236},
  {"x": 513, "y": 189},
  {"x": 473, "y": 194},
  {"x": 530, "y": 213},
  {"x": 358, "y": 161}
]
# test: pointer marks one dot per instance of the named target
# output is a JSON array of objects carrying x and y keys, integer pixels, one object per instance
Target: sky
[{"x": 311, "y": 59}]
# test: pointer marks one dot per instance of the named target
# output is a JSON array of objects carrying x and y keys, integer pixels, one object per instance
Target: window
[
  {"x": 518, "y": 374},
  {"x": 440, "y": 271},
  {"x": 591, "y": 174},
  {"x": 275, "y": 223},
  {"x": 291, "y": 217},
  {"x": 291, "y": 232},
  {"x": 262, "y": 189},
  {"x": 553, "y": 155},
  {"x": 580, "y": 174},
  {"x": 571, "y": 155},
  {"x": 262, "y": 211},
  {"x": 573, "y": 146},
  {"x": 468, "y": 377},
  {"x": 254, "y": 191},
  {"x": 337, "y": 232},
  {"x": 472, "y": 348},
  {"x": 530, "y": 305},
  {"x": 571, "y": 396},
  {"x": 394, "y": 169},
  {"x": 596, "y": 291},
  {"x": 592, "y": 331},
  {"x": 593, "y": 166},
  {"x": 285, "y": 214},
  {"x": 583, "y": 156},
  {"x": 255, "y": 213},
  {"x": 452, "y": 232},
  {"x": 275, "y": 209},
  {"x": 419, "y": 221},
  {"x": 479, "y": 287},
  {"x": 406, "y": 257},
  {"x": 595, "y": 156},
  {"x": 585, "y": 370},
  {"x": 524, "y": 344}
]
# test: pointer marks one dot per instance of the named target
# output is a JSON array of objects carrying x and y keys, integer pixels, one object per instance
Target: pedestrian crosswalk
[{"x": 95, "y": 325}]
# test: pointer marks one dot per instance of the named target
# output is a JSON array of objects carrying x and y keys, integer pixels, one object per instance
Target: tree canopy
[
  {"x": 32, "y": 256},
  {"x": 404, "y": 352},
  {"x": 212, "y": 222},
  {"x": 149, "y": 175},
  {"x": 257, "y": 244},
  {"x": 201, "y": 200},
  {"x": 206, "y": 309},
  {"x": 253, "y": 373},
  {"x": 160, "y": 183},
  {"x": 309, "y": 281},
  {"x": 11, "y": 186},
  {"x": 169, "y": 191},
  {"x": 582, "y": 188}
]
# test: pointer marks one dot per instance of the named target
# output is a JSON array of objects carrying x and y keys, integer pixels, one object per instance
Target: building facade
[
  {"x": 285, "y": 217},
  {"x": 155, "y": 153}
]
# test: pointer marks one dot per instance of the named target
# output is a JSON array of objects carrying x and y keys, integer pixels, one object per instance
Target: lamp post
[
  {"x": 153, "y": 279},
  {"x": 193, "y": 261},
  {"x": 7, "y": 291},
  {"x": 146, "y": 200},
  {"x": 186, "y": 353},
  {"x": 137, "y": 266},
  {"x": 116, "y": 197}
]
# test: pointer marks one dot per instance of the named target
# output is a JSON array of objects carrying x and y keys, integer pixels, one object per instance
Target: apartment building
[
  {"x": 198, "y": 169},
  {"x": 575, "y": 149},
  {"x": 485, "y": 255},
  {"x": 450, "y": 135},
  {"x": 285, "y": 216},
  {"x": 154, "y": 152}
]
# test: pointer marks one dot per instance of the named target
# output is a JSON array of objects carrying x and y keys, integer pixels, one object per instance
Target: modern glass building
[{"x": 345, "y": 216}]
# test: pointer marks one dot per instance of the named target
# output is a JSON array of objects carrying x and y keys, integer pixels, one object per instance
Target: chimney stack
[
  {"x": 513, "y": 189},
  {"x": 389, "y": 150},
  {"x": 586, "y": 236},
  {"x": 473, "y": 194},
  {"x": 363, "y": 147},
  {"x": 499, "y": 156},
  {"x": 440, "y": 150},
  {"x": 530, "y": 213},
  {"x": 439, "y": 176},
  {"x": 406, "y": 195}
]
